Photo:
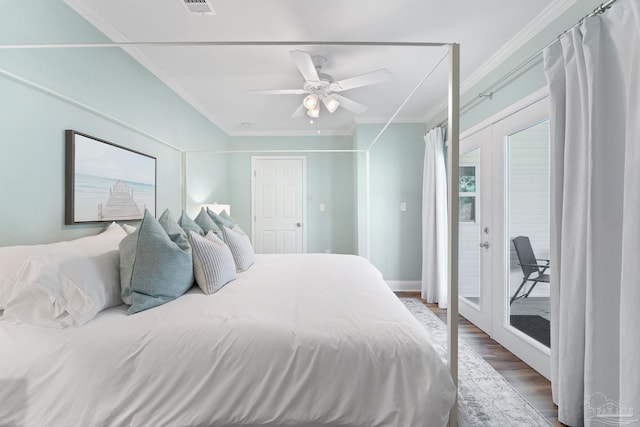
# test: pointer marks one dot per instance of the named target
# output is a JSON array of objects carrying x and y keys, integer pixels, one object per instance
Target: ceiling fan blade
[
  {"x": 299, "y": 111},
  {"x": 350, "y": 104},
  {"x": 278, "y": 92},
  {"x": 305, "y": 65},
  {"x": 366, "y": 79}
]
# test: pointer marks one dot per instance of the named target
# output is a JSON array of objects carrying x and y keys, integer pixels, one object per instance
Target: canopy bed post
[
  {"x": 453, "y": 133},
  {"x": 367, "y": 203},
  {"x": 183, "y": 180}
]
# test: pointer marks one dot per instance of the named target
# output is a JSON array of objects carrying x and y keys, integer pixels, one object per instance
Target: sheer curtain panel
[
  {"x": 434, "y": 220},
  {"x": 593, "y": 73}
]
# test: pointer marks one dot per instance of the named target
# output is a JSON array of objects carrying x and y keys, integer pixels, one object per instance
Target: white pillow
[
  {"x": 61, "y": 291},
  {"x": 13, "y": 258},
  {"x": 213, "y": 264},
  {"x": 128, "y": 228},
  {"x": 240, "y": 246}
]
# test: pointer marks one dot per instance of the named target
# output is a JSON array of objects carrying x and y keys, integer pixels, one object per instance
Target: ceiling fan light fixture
[
  {"x": 331, "y": 103},
  {"x": 314, "y": 112},
  {"x": 310, "y": 101}
]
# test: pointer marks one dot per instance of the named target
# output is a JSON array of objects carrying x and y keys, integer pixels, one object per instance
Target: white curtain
[
  {"x": 594, "y": 79},
  {"x": 434, "y": 220}
]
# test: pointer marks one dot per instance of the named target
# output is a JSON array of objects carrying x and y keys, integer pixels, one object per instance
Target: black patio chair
[{"x": 533, "y": 269}]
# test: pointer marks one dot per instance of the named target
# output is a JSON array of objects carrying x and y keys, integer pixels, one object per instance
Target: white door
[
  {"x": 476, "y": 229},
  {"x": 278, "y": 204}
]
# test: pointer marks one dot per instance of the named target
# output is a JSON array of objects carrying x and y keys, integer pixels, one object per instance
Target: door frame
[{"x": 304, "y": 195}]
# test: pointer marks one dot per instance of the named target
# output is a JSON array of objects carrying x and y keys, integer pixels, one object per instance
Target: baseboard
[{"x": 405, "y": 285}]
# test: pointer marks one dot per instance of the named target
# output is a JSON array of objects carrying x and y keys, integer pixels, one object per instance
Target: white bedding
[{"x": 296, "y": 340}]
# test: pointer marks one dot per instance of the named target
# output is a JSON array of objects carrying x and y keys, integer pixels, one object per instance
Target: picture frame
[{"x": 106, "y": 182}]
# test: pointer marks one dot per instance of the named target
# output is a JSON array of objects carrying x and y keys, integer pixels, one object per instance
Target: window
[{"x": 467, "y": 194}]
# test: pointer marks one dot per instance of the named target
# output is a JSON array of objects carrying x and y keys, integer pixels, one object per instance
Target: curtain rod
[{"x": 535, "y": 56}]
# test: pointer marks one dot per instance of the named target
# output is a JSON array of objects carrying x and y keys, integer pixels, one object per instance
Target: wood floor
[{"x": 529, "y": 383}]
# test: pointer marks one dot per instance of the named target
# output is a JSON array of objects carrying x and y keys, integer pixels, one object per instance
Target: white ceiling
[{"x": 216, "y": 80}]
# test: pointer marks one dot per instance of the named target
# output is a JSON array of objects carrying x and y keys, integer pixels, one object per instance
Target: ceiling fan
[{"x": 321, "y": 88}]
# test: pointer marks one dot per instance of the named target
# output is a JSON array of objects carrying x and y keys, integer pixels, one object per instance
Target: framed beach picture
[{"x": 106, "y": 182}]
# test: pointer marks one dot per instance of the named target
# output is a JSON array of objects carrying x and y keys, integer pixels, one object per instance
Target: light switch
[
  {"x": 403, "y": 206},
  {"x": 322, "y": 207}
]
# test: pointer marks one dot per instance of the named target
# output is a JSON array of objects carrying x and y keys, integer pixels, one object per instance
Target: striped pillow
[
  {"x": 213, "y": 264},
  {"x": 240, "y": 246}
]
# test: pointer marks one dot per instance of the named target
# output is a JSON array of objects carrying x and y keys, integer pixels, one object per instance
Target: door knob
[
  {"x": 484, "y": 245},
  {"x": 298, "y": 224}
]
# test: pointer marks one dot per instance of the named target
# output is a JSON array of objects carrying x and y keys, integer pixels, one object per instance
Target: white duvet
[{"x": 297, "y": 340}]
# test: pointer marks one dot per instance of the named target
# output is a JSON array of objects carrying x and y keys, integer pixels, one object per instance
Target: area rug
[
  {"x": 537, "y": 327},
  {"x": 486, "y": 397}
]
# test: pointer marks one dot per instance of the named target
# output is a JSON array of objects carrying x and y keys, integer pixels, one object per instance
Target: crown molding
[
  {"x": 94, "y": 18},
  {"x": 539, "y": 23}
]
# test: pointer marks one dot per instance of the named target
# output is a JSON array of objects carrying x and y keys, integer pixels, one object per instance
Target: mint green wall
[
  {"x": 206, "y": 180},
  {"x": 109, "y": 80},
  {"x": 32, "y": 164},
  {"x": 131, "y": 107},
  {"x": 330, "y": 180},
  {"x": 396, "y": 162}
]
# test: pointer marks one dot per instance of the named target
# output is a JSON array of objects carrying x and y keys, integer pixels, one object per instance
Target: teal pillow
[
  {"x": 155, "y": 263},
  {"x": 188, "y": 224},
  {"x": 224, "y": 215},
  {"x": 222, "y": 220},
  {"x": 207, "y": 224}
]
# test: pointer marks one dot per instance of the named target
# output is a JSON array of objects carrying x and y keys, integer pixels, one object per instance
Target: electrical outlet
[
  {"x": 322, "y": 207},
  {"x": 403, "y": 206}
]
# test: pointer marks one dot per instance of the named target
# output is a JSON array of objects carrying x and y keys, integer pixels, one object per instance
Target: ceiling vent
[{"x": 199, "y": 7}]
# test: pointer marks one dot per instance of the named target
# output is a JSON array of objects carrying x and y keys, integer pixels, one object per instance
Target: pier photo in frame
[{"x": 106, "y": 182}]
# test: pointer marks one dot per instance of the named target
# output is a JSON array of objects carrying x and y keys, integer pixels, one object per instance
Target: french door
[{"x": 504, "y": 193}]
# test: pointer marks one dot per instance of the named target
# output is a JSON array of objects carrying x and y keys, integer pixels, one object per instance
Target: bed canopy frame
[{"x": 453, "y": 136}]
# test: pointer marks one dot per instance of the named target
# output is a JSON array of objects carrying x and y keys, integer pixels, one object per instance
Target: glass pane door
[
  {"x": 528, "y": 231},
  {"x": 469, "y": 231},
  {"x": 475, "y": 225}
]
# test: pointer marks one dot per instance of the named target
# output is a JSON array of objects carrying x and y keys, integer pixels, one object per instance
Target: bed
[{"x": 304, "y": 340}]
